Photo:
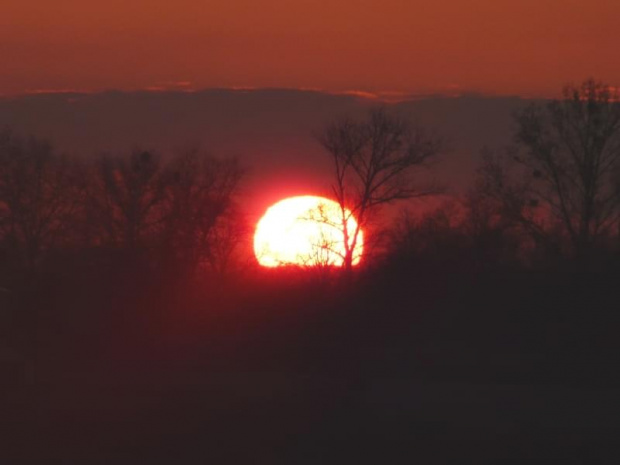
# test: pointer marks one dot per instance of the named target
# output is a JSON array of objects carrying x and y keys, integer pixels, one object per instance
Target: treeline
[
  {"x": 549, "y": 199},
  {"x": 117, "y": 211}
]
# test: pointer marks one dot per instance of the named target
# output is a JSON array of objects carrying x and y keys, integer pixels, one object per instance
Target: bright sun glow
[{"x": 305, "y": 231}]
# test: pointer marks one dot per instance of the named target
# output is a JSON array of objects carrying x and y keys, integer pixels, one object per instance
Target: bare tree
[
  {"x": 373, "y": 164},
  {"x": 176, "y": 209},
  {"x": 201, "y": 226},
  {"x": 125, "y": 198},
  {"x": 327, "y": 245},
  {"x": 40, "y": 192},
  {"x": 565, "y": 173},
  {"x": 504, "y": 194},
  {"x": 231, "y": 229}
]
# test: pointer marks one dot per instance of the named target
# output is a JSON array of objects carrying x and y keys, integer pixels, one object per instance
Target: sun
[{"x": 305, "y": 231}]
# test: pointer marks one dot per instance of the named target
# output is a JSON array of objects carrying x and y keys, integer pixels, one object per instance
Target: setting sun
[{"x": 305, "y": 231}]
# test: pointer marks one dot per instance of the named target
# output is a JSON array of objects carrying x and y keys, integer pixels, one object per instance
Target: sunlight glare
[{"x": 304, "y": 231}]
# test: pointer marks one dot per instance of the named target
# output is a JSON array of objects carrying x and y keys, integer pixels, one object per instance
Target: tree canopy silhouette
[
  {"x": 40, "y": 194},
  {"x": 373, "y": 162},
  {"x": 564, "y": 172}
]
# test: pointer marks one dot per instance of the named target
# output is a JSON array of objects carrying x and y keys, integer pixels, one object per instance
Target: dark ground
[{"x": 404, "y": 366}]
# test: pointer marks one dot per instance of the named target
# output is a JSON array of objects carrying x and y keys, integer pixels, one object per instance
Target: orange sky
[{"x": 527, "y": 47}]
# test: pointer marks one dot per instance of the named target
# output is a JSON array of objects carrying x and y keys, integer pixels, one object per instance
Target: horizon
[{"x": 380, "y": 96}]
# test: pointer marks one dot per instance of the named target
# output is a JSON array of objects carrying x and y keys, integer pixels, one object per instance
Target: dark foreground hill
[{"x": 401, "y": 366}]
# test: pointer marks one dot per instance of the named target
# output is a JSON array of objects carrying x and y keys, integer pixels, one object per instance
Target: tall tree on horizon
[
  {"x": 374, "y": 161},
  {"x": 565, "y": 167}
]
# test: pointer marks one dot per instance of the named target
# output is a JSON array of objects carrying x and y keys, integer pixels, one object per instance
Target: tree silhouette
[
  {"x": 566, "y": 169},
  {"x": 231, "y": 229},
  {"x": 175, "y": 213},
  {"x": 200, "y": 224},
  {"x": 40, "y": 193},
  {"x": 125, "y": 199},
  {"x": 373, "y": 164},
  {"x": 327, "y": 247}
]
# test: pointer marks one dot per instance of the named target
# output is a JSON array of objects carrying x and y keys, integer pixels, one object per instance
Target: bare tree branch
[{"x": 374, "y": 161}]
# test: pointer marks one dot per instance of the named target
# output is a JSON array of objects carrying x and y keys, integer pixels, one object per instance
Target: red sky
[{"x": 526, "y": 47}]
